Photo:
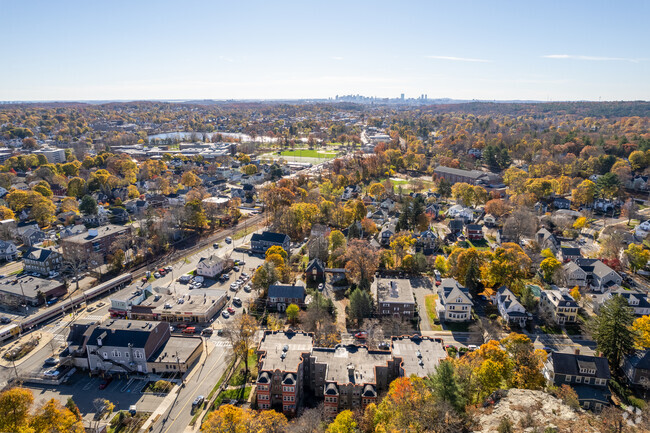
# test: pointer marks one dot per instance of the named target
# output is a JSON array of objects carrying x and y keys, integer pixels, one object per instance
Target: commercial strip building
[
  {"x": 345, "y": 377},
  {"x": 28, "y": 290},
  {"x": 158, "y": 304}
]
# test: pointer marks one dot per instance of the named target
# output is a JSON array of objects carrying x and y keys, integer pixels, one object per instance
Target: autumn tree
[
  {"x": 497, "y": 207},
  {"x": 637, "y": 256},
  {"x": 361, "y": 262},
  {"x": 641, "y": 327},
  {"x": 15, "y": 406},
  {"x": 69, "y": 204},
  {"x": 276, "y": 249},
  {"x": 241, "y": 334},
  {"x": 527, "y": 362},
  {"x": 550, "y": 267},
  {"x": 6, "y": 213},
  {"x": 52, "y": 417},
  {"x": 292, "y": 313},
  {"x": 343, "y": 423},
  {"x": 264, "y": 276},
  {"x": 189, "y": 179},
  {"x": 584, "y": 193},
  {"x": 508, "y": 264}
]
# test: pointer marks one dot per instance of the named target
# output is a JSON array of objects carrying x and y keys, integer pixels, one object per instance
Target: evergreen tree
[
  {"x": 612, "y": 330},
  {"x": 88, "y": 205},
  {"x": 472, "y": 277},
  {"x": 360, "y": 305},
  {"x": 445, "y": 385}
]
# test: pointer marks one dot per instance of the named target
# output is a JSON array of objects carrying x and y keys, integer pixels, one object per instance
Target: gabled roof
[
  {"x": 570, "y": 251},
  {"x": 286, "y": 291},
  {"x": 640, "y": 359},
  {"x": 211, "y": 260},
  {"x": 279, "y": 238},
  {"x": 39, "y": 254},
  {"x": 569, "y": 364},
  {"x": 315, "y": 264},
  {"x": 121, "y": 333},
  {"x": 450, "y": 288}
]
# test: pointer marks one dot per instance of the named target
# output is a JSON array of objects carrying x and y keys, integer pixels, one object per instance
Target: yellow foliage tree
[{"x": 642, "y": 328}]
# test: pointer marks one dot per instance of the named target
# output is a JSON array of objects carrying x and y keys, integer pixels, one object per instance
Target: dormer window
[
  {"x": 587, "y": 371},
  {"x": 459, "y": 300}
]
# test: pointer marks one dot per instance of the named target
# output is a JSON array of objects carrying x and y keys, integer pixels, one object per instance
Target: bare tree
[
  {"x": 311, "y": 421},
  {"x": 521, "y": 223}
]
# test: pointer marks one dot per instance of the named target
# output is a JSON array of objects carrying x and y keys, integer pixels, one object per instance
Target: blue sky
[{"x": 543, "y": 50}]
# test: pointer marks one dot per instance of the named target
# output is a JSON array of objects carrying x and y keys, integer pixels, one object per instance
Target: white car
[{"x": 51, "y": 373}]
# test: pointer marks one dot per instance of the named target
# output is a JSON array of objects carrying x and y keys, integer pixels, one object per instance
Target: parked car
[
  {"x": 231, "y": 310},
  {"x": 236, "y": 268},
  {"x": 228, "y": 240},
  {"x": 321, "y": 286},
  {"x": 225, "y": 315},
  {"x": 106, "y": 382},
  {"x": 52, "y": 301},
  {"x": 383, "y": 346},
  {"x": 52, "y": 373},
  {"x": 189, "y": 330},
  {"x": 51, "y": 361},
  {"x": 156, "y": 275},
  {"x": 215, "y": 245},
  {"x": 5, "y": 320},
  {"x": 207, "y": 331},
  {"x": 168, "y": 268},
  {"x": 361, "y": 335},
  {"x": 236, "y": 302},
  {"x": 90, "y": 309}
]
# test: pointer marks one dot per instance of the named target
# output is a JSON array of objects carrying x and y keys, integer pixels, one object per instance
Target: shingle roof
[
  {"x": 640, "y": 359},
  {"x": 286, "y": 291},
  {"x": 474, "y": 174},
  {"x": 120, "y": 333},
  {"x": 269, "y": 237},
  {"x": 39, "y": 254},
  {"x": 568, "y": 364}
]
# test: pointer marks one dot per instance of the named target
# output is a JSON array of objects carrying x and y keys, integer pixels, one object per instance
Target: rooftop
[
  {"x": 408, "y": 348},
  {"x": 30, "y": 286},
  {"x": 101, "y": 233},
  {"x": 394, "y": 290},
  {"x": 351, "y": 364},
  {"x": 276, "y": 358},
  {"x": 177, "y": 349}
]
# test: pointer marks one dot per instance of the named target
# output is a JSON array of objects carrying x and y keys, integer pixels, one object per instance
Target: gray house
[
  {"x": 260, "y": 242},
  {"x": 42, "y": 260},
  {"x": 637, "y": 368},
  {"x": 600, "y": 277},
  {"x": 280, "y": 296},
  {"x": 125, "y": 346}
]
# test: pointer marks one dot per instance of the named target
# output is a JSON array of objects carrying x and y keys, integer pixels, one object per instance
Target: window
[
  {"x": 579, "y": 379},
  {"x": 262, "y": 396},
  {"x": 567, "y": 378},
  {"x": 587, "y": 380},
  {"x": 127, "y": 354}
]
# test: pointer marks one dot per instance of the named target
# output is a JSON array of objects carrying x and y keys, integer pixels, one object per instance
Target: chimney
[{"x": 576, "y": 351}]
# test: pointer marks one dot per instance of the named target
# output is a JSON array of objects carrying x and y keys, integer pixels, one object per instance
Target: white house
[
  {"x": 210, "y": 266},
  {"x": 458, "y": 211},
  {"x": 454, "y": 302},
  {"x": 8, "y": 251},
  {"x": 642, "y": 230},
  {"x": 636, "y": 300},
  {"x": 509, "y": 307}
]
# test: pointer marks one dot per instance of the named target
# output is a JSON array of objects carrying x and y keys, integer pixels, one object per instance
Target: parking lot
[{"x": 84, "y": 389}]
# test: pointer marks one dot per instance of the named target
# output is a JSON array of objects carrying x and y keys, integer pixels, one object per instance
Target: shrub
[
  {"x": 568, "y": 396},
  {"x": 162, "y": 386},
  {"x": 636, "y": 402},
  {"x": 505, "y": 425},
  {"x": 493, "y": 316}
]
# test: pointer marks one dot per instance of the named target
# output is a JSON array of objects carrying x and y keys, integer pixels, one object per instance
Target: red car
[
  {"x": 106, "y": 382},
  {"x": 361, "y": 335},
  {"x": 231, "y": 310}
]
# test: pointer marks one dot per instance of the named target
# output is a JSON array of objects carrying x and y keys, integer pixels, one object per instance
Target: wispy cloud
[
  {"x": 592, "y": 58},
  {"x": 226, "y": 59},
  {"x": 458, "y": 59},
  {"x": 336, "y": 58}
]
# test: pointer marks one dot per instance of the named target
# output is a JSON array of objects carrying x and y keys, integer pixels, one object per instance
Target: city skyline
[{"x": 218, "y": 50}]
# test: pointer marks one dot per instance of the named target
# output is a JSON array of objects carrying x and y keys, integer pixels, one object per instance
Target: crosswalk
[
  {"x": 95, "y": 317},
  {"x": 221, "y": 343}
]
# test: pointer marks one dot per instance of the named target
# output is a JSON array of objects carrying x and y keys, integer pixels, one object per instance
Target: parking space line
[
  {"x": 126, "y": 386},
  {"x": 89, "y": 384}
]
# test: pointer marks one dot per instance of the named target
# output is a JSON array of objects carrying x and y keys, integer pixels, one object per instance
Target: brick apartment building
[
  {"x": 345, "y": 377},
  {"x": 98, "y": 242},
  {"x": 394, "y": 297}
]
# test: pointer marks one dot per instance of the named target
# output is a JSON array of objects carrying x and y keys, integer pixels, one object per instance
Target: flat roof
[
  {"x": 181, "y": 347},
  {"x": 102, "y": 232},
  {"x": 407, "y": 349},
  {"x": 30, "y": 285},
  {"x": 192, "y": 304},
  {"x": 344, "y": 360},
  {"x": 396, "y": 290},
  {"x": 273, "y": 344}
]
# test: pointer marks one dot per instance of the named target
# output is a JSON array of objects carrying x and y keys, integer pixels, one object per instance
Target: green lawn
[
  {"x": 430, "y": 303},
  {"x": 308, "y": 153},
  {"x": 238, "y": 378}
]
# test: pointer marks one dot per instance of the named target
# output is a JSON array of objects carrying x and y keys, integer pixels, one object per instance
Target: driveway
[{"x": 422, "y": 286}]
